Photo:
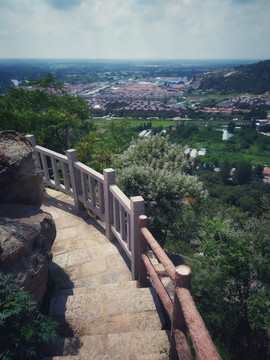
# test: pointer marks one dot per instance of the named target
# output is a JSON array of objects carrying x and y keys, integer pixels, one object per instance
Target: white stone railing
[{"x": 98, "y": 193}]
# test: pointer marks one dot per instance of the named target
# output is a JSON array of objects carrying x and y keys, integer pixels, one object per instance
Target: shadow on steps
[
  {"x": 67, "y": 344},
  {"x": 64, "y": 347}
]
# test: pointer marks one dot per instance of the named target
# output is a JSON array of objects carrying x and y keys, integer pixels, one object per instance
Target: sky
[{"x": 135, "y": 29}]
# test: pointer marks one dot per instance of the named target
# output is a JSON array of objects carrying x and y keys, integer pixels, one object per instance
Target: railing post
[
  {"x": 31, "y": 139},
  {"x": 109, "y": 179},
  {"x": 179, "y": 347},
  {"x": 137, "y": 209},
  {"x": 75, "y": 178},
  {"x": 142, "y": 250}
]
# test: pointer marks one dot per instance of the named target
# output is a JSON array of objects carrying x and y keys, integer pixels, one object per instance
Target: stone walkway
[{"x": 102, "y": 313}]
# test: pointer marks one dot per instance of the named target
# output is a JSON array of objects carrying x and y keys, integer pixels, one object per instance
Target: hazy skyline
[{"x": 135, "y": 29}]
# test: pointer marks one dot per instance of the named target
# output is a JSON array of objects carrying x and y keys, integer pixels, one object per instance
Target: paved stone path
[{"x": 102, "y": 313}]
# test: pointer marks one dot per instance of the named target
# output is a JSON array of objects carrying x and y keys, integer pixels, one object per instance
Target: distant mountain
[{"x": 254, "y": 78}]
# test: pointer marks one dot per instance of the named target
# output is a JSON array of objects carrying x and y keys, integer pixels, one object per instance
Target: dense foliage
[
  {"x": 254, "y": 78},
  {"x": 246, "y": 143},
  {"x": 48, "y": 116},
  {"x": 231, "y": 285},
  {"x": 240, "y": 159},
  {"x": 158, "y": 171},
  {"x": 23, "y": 328},
  {"x": 97, "y": 148}
]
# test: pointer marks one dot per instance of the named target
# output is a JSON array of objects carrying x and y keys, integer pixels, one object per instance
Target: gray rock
[
  {"x": 26, "y": 237},
  {"x": 20, "y": 173}
]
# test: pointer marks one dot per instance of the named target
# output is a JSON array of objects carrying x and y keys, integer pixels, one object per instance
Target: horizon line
[{"x": 133, "y": 59}]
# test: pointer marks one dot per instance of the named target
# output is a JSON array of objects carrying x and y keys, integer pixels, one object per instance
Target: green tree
[
  {"x": 156, "y": 169},
  {"x": 97, "y": 148},
  {"x": 93, "y": 152},
  {"x": 231, "y": 127},
  {"x": 257, "y": 171},
  {"x": 48, "y": 82},
  {"x": 243, "y": 172},
  {"x": 49, "y": 117},
  {"x": 231, "y": 285},
  {"x": 225, "y": 169}
]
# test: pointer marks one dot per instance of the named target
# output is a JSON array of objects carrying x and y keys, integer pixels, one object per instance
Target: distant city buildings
[{"x": 154, "y": 96}]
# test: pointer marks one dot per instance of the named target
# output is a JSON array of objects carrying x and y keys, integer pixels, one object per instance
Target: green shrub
[
  {"x": 158, "y": 171},
  {"x": 23, "y": 328}
]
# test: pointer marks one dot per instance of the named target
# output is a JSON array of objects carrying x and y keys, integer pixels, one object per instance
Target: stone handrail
[
  {"x": 96, "y": 192},
  {"x": 182, "y": 311}
]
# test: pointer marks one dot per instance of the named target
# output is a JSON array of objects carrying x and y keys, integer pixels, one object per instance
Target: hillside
[{"x": 254, "y": 78}]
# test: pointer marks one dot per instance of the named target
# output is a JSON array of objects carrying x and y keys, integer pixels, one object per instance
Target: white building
[
  {"x": 193, "y": 153},
  {"x": 225, "y": 135}
]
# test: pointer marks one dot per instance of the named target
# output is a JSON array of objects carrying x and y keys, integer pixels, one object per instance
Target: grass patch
[{"x": 133, "y": 123}]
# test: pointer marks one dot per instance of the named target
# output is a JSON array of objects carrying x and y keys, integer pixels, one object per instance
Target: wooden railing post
[
  {"x": 137, "y": 209},
  {"x": 109, "y": 179},
  {"x": 75, "y": 178},
  {"x": 142, "y": 250},
  {"x": 179, "y": 347}
]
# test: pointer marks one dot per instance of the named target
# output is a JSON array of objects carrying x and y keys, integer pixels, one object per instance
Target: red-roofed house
[
  {"x": 266, "y": 175},
  {"x": 266, "y": 171}
]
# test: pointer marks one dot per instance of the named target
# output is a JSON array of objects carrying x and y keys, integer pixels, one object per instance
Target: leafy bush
[
  {"x": 231, "y": 285},
  {"x": 23, "y": 328},
  {"x": 157, "y": 170}
]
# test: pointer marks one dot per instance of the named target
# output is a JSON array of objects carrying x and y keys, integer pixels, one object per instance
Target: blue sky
[{"x": 135, "y": 29}]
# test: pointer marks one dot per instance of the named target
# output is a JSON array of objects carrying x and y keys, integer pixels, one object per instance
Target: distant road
[{"x": 91, "y": 92}]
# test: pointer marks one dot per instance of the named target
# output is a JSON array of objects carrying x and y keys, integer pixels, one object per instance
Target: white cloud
[{"x": 135, "y": 28}]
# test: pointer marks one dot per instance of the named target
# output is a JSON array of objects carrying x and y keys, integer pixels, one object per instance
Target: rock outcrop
[
  {"x": 26, "y": 236},
  {"x": 20, "y": 173},
  {"x": 26, "y": 232}
]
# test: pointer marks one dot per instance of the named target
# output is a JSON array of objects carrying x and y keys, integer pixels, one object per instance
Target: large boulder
[
  {"x": 20, "y": 173},
  {"x": 26, "y": 236}
]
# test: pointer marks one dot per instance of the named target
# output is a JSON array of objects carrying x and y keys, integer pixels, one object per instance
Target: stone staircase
[{"x": 103, "y": 314}]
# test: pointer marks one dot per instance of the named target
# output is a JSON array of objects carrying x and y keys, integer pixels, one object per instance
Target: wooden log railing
[{"x": 182, "y": 311}]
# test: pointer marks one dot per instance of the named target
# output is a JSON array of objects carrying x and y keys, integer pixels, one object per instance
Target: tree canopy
[
  {"x": 97, "y": 148},
  {"x": 157, "y": 170},
  {"x": 50, "y": 117},
  {"x": 231, "y": 284}
]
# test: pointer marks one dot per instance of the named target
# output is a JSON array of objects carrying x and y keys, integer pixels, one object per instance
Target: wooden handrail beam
[
  {"x": 159, "y": 252},
  {"x": 202, "y": 342},
  {"x": 160, "y": 289},
  {"x": 179, "y": 344}
]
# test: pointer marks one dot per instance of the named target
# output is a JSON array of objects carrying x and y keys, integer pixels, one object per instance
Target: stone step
[
  {"x": 83, "y": 290},
  {"x": 87, "y": 254},
  {"x": 109, "y": 357},
  {"x": 143, "y": 345},
  {"x": 111, "y": 309},
  {"x": 61, "y": 358},
  {"x": 72, "y": 278}
]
